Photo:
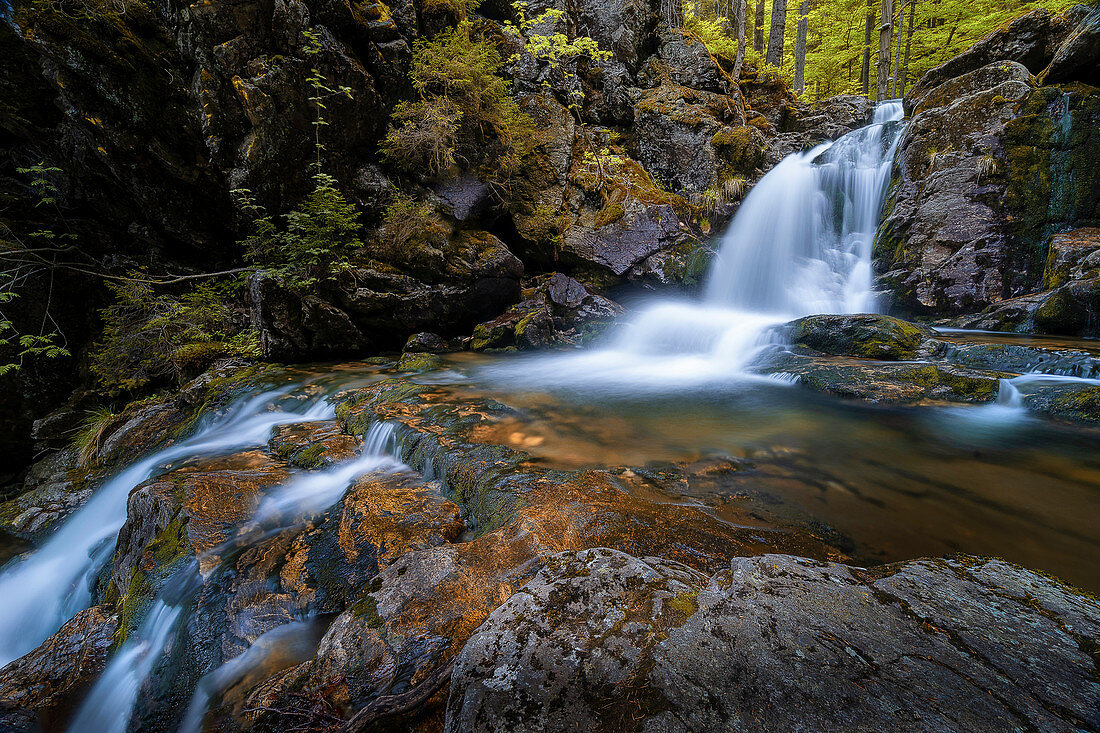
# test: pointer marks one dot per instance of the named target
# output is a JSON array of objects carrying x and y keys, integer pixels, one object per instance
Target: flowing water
[
  {"x": 799, "y": 245},
  {"x": 110, "y": 704},
  {"x": 42, "y": 590},
  {"x": 670, "y": 386}
]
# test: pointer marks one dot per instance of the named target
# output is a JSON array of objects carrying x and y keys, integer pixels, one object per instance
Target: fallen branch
[{"x": 391, "y": 706}]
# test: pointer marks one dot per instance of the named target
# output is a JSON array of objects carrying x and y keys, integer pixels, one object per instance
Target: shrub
[
  {"x": 150, "y": 337},
  {"x": 463, "y": 114},
  {"x": 320, "y": 235}
]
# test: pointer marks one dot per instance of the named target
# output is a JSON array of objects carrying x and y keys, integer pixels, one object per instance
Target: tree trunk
[
  {"x": 865, "y": 74},
  {"x": 742, "y": 11},
  {"x": 908, "y": 45},
  {"x": 672, "y": 14},
  {"x": 800, "y": 47},
  {"x": 884, "y": 36},
  {"x": 779, "y": 29},
  {"x": 758, "y": 38},
  {"x": 897, "y": 53}
]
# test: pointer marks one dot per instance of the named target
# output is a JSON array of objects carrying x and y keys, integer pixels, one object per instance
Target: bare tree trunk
[
  {"x": 897, "y": 53},
  {"x": 672, "y": 13},
  {"x": 742, "y": 11},
  {"x": 884, "y": 36},
  {"x": 758, "y": 39},
  {"x": 779, "y": 29},
  {"x": 800, "y": 47},
  {"x": 865, "y": 74},
  {"x": 908, "y": 45}
]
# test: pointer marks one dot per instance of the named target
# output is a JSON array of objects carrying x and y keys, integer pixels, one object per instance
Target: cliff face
[{"x": 996, "y": 195}]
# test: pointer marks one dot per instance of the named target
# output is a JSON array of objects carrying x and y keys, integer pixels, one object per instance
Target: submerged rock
[{"x": 775, "y": 643}]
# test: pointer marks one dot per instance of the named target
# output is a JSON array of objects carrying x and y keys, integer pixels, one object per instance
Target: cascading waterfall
[
  {"x": 801, "y": 241},
  {"x": 800, "y": 244},
  {"x": 110, "y": 704},
  {"x": 43, "y": 589}
]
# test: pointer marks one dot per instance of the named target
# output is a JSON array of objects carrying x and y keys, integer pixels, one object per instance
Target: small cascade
[
  {"x": 282, "y": 647},
  {"x": 43, "y": 589},
  {"x": 800, "y": 244},
  {"x": 110, "y": 704},
  {"x": 1008, "y": 395},
  {"x": 312, "y": 492}
]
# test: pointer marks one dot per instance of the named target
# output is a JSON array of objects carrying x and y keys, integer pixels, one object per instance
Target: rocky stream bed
[{"x": 500, "y": 577}]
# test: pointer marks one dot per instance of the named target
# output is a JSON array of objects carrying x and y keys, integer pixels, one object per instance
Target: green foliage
[
  {"x": 317, "y": 241},
  {"x": 150, "y": 337},
  {"x": 835, "y": 43},
  {"x": 320, "y": 93},
  {"x": 23, "y": 259},
  {"x": 407, "y": 223},
  {"x": 92, "y": 431},
  {"x": 464, "y": 114},
  {"x": 556, "y": 49},
  {"x": 714, "y": 33}
]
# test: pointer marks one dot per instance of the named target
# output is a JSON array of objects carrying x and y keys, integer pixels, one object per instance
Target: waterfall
[
  {"x": 110, "y": 704},
  {"x": 800, "y": 244},
  {"x": 43, "y": 589}
]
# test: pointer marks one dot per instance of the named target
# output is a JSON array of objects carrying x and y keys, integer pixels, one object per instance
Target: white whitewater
[
  {"x": 110, "y": 704},
  {"x": 799, "y": 245},
  {"x": 44, "y": 588}
]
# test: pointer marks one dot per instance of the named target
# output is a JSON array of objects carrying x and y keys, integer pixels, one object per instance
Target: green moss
[
  {"x": 416, "y": 361},
  {"x": 366, "y": 607},
  {"x": 685, "y": 603},
  {"x": 1053, "y": 183},
  {"x": 311, "y": 457},
  {"x": 609, "y": 214}
]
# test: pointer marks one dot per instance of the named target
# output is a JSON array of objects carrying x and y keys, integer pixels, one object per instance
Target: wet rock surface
[
  {"x": 962, "y": 643},
  {"x": 557, "y": 311},
  {"x": 41, "y": 689}
]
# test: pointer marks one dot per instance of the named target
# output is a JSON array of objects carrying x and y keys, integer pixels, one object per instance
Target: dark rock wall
[{"x": 995, "y": 162}]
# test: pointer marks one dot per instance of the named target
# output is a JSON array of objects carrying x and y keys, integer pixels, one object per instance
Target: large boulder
[
  {"x": 1031, "y": 40},
  {"x": 690, "y": 140},
  {"x": 867, "y": 336},
  {"x": 472, "y": 276},
  {"x": 1078, "y": 58},
  {"x": 776, "y": 643},
  {"x": 944, "y": 237},
  {"x": 990, "y": 167}
]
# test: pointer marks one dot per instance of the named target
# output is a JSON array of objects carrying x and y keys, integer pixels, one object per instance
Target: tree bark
[
  {"x": 897, "y": 52},
  {"x": 865, "y": 74},
  {"x": 672, "y": 13},
  {"x": 908, "y": 45},
  {"x": 779, "y": 28},
  {"x": 758, "y": 37},
  {"x": 884, "y": 35},
  {"x": 800, "y": 47},
  {"x": 742, "y": 11}
]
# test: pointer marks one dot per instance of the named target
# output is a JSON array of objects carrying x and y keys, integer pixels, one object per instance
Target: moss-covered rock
[
  {"x": 413, "y": 361},
  {"x": 1079, "y": 403},
  {"x": 868, "y": 336}
]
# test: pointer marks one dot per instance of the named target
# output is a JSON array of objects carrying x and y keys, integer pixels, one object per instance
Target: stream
[{"x": 672, "y": 384}]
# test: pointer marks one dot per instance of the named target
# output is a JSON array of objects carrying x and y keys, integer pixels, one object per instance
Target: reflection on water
[{"x": 901, "y": 482}]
